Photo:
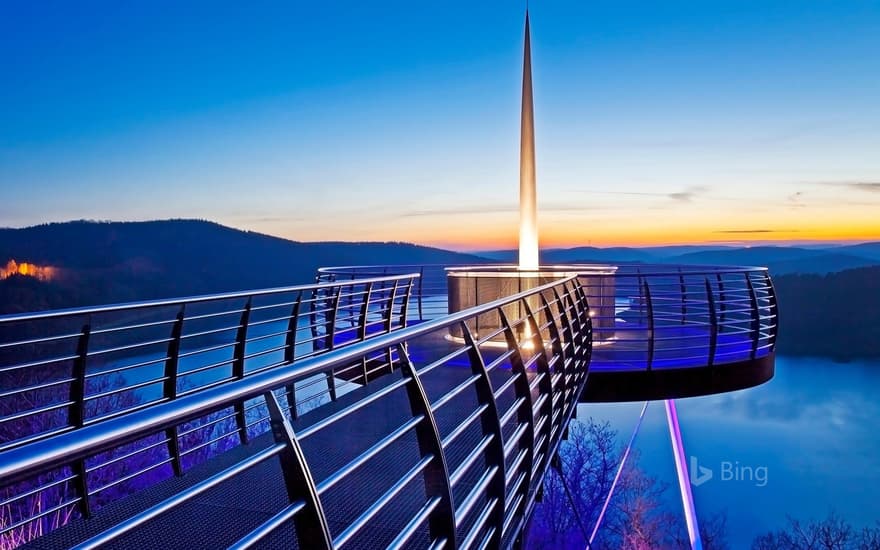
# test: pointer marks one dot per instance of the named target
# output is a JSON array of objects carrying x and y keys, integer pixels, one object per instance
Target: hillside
[
  {"x": 836, "y": 315},
  {"x": 780, "y": 259},
  {"x": 102, "y": 262}
]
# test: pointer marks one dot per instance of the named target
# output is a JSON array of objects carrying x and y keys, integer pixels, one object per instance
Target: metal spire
[{"x": 528, "y": 222}]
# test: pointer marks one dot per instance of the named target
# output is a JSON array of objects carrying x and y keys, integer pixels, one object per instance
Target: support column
[{"x": 684, "y": 480}]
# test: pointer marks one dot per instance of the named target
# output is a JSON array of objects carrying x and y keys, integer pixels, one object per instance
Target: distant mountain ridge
[
  {"x": 104, "y": 262},
  {"x": 779, "y": 259}
]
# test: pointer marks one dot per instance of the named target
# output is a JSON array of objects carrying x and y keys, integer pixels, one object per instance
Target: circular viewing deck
[{"x": 660, "y": 331}]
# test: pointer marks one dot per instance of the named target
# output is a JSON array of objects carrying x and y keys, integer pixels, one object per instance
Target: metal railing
[
  {"x": 62, "y": 371},
  {"x": 657, "y": 316},
  {"x": 645, "y": 316},
  {"x": 429, "y": 293},
  {"x": 460, "y": 438}
]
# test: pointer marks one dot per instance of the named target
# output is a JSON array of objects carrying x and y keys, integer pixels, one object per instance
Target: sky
[{"x": 656, "y": 122}]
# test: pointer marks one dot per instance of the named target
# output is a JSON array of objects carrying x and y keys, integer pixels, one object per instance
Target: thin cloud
[
  {"x": 689, "y": 194},
  {"x": 754, "y": 231},
  {"x": 795, "y": 200},
  {"x": 867, "y": 186},
  {"x": 488, "y": 209}
]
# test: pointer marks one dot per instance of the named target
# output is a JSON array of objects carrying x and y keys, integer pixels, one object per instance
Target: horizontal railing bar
[
  {"x": 479, "y": 523},
  {"x": 201, "y": 333},
  {"x": 413, "y": 525},
  {"x": 487, "y": 538},
  {"x": 515, "y": 477},
  {"x": 36, "y": 387},
  {"x": 6, "y": 445},
  {"x": 213, "y": 421},
  {"x": 374, "y": 450},
  {"x": 41, "y": 455},
  {"x": 211, "y": 441},
  {"x": 118, "y": 413},
  {"x": 515, "y": 437},
  {"x": 192, "y": 299},
  {"x": 454, "y": 392},
  {"x": 475, "y": 493},
  {"x": 137, "y": 345},
  {"x": 114, "y": 370},
  {"x": 126, "y": 455},
  {"x": 354, "y": 407},
  {"x": 464, "y": 425},
  {"x": 39, "y": 410},
  {"x": 470, "y": 459},
  {"x": 281, "y": 518},
  {"x": 180, "y": 498},
  {"x": 137, "y": 386},
  {"x": 40, "y": 363},
  {"x": 517, "y": 403},
  {"x": 442, "y": 360},
  {"x": 58, "y": 507},
  {"x": 350, "y": 531},
  {"x": 41, "y": 340},
  {"x": 36, "y": 490},
  {"x": 203, "y": 368},
  {"x": 132, "y": 475}
]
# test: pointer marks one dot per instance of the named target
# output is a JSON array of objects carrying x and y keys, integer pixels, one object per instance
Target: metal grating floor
[{"x": 224, "y": 514}]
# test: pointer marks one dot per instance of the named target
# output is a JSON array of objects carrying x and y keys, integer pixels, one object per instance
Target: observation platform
[
  {"x": 355, "y": 412},
  {"x": 660, "y": 331}
]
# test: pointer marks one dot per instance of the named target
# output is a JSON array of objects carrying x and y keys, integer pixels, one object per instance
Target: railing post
[
  {"x": 331, "y": 341},
  {"x": 756, "y": 326},
  {"x": 331, "y": 319},
  {"x": 569, "y": 360},
  {"x": 365, "y": 311},
  {"x": 722, "y": 299},
  {"x": 311, "y": 522},
  {"x": 389, "y": 314},
  {"x": 683, "y": 287},
  {"x": 238, "y": 368},
  {"x": 442, "y": 520},
  {"x": 78, "y": 413},
  {"x": 559, "y": 363},
  {"x": 362, "y": 325},
  {"x": 650, "y": 305},
  {"x": 290, "y": 352},
  {"x": 421, "y": 289},
  {"x": 774, "y": 310},
  {"x": 389, "y": 310},
  {"x": 713, "y": 324},
  {"x": 169, "y": 387},
  {"x": 404, "y": 308},
  {"x": 585, "y": 324},
  {"x": 545, "y": 385},
  {"x": 491, "y": 424},
  {"x": 525, "y": 413}
]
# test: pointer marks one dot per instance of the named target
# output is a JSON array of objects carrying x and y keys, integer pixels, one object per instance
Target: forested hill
[
  {"x": 105, "y": 262},
  {"x": 835, "y": 315}
]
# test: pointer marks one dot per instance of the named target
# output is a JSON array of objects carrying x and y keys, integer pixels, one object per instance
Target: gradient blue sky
[{"x": 655, "y": 121}]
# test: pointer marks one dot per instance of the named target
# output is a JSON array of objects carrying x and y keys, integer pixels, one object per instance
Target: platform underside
[{"x": 608, "y": 386}]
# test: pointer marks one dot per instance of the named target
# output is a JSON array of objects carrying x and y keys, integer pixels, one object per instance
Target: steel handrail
[
  {"x": 558, "y": 380},
  {"x": 45, "y": 455},
  {"x": 164, "y": 302}
]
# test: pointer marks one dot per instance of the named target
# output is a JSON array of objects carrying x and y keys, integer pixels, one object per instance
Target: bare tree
[
  {"x": 831, "y": 533},
  {"x": 636, "y": 518}
]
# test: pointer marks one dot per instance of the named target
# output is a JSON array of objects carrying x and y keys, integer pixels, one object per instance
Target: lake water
[{"x": 812, "y": 429}]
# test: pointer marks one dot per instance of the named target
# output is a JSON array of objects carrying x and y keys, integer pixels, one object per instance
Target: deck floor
[{"x": 224, "y": 514}]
